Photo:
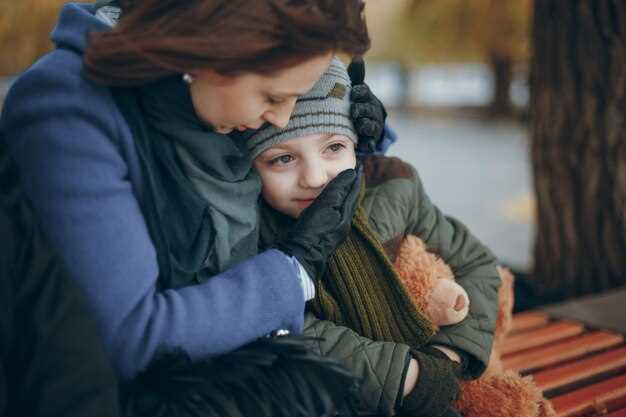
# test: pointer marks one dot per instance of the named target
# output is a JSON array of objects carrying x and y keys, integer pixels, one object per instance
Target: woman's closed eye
[{"x": 274, "y": 100}]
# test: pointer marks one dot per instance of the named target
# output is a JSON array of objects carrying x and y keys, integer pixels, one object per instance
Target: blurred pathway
[{"x": 476, "y": 172}]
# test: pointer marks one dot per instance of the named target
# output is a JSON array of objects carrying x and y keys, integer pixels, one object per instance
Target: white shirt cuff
[{"x": 308, "y": 286}]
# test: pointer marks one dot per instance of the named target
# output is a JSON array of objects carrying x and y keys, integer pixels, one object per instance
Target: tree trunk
[
  {"x": 578, "y": 144},
  {"x": 404, "y": 76},
  {"x": 502, "y": 72}
]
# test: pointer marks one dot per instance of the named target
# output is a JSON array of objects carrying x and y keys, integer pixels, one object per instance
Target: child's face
[{"x": 295, "y": 172}]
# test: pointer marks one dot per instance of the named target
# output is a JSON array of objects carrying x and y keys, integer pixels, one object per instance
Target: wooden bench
[{"x": 581, "y": 369}]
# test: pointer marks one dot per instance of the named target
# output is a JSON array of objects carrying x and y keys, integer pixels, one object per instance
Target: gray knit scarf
[
  {"x": 201, "y": 193},
  {"x": 200, "y": 196}
]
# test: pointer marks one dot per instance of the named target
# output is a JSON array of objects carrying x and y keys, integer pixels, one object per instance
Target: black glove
[
  {"x": 437, "y": 384},
  {"x": 325, "y": 224},
  {"x": 367, "y": 112}
]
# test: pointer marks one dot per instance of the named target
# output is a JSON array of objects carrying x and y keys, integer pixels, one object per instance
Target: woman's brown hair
[{"x": 157, "y": 38}]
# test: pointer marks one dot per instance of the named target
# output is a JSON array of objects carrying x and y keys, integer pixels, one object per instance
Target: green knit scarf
[{"x": 362, "y": 290}]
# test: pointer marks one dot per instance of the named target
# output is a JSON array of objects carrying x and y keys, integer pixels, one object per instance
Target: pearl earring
[{"x": 188, "y": 78}]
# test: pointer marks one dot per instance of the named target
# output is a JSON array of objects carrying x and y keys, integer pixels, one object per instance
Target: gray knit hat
[{"x": 324, "y": 109}]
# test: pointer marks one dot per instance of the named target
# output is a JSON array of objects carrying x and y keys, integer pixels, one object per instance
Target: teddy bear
[{"x": 499, "y": 392}]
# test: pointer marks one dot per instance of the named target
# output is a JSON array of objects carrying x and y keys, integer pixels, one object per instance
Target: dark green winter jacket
[{"x": 397, "y": 205}]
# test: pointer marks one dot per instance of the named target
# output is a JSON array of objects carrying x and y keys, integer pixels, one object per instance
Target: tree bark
[
  {"x": 578, "y": 144},
  {"x": 404, "y": 76},
  {"x": 502, "y": 72}
]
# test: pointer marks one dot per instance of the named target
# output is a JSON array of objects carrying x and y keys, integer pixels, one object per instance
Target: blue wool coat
[{"x": 80, "y": 171}]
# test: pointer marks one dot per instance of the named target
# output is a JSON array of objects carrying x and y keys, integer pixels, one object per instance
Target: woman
[{"x": 139, "y": 189}]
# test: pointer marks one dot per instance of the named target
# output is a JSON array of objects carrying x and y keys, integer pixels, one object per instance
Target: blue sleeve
[
  {"x": 389, "y": 138},
  {"x": 62, "y": 131}
]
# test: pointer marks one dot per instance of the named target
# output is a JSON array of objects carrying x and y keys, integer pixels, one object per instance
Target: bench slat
[
  {"x": 583, "y": 369},
  {"x": 601, "y": 397},
  {"x": 540, "y": 336},
  {"x": 528, "y": 320},
  {"x": 568, "y": 349}
]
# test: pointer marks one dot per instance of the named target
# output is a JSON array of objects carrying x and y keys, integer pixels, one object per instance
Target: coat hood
[{"x": 75, "y": 23}]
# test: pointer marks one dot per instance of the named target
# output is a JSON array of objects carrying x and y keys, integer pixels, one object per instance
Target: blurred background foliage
[
  {"x": 24, "y": 29},
  {"x": 418, "y": 32}
]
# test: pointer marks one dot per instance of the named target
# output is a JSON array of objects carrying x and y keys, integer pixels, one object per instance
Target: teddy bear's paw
[{"x": 502, "y": 395}]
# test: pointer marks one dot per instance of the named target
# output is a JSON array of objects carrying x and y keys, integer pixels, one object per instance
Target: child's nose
[{"x": 314, "y": 176}]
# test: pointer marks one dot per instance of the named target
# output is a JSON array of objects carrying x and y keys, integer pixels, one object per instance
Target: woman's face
[
  {"x": 296, "y": 171},
  {"x": 250, "y": 100}
]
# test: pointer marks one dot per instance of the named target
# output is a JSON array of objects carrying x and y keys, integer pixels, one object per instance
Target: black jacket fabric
[{"x": 52, "y": 362}]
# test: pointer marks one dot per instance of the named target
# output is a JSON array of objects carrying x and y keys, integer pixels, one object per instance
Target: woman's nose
[{"x": 279, "y": 116}]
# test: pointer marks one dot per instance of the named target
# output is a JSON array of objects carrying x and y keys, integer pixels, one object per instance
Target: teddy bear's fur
[
  {"x": 431, "y": 283},
  {"x": 498, "y": 392}
]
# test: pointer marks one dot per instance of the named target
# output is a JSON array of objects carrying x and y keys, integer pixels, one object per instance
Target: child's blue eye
[
  {"x": 336, "y": 147},
  {"x": 283, "y": 159}
]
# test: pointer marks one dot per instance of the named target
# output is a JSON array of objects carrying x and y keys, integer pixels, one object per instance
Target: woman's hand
[
  {"x": 368, "y": 113},
  {"x": 325, "y": 224},
  {"x": 411, "y": 377}
]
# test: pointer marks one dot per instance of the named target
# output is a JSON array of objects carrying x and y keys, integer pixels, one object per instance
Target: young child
[{"x": 405, "y": 367}]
